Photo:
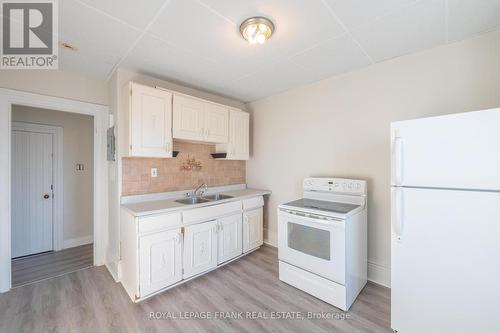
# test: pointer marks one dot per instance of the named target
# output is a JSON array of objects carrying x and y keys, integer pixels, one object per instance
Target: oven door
[{"x": 313, "y": 243}]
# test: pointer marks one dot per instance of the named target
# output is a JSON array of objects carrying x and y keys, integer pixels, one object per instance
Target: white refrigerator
[{"x": 445, "y": 215}]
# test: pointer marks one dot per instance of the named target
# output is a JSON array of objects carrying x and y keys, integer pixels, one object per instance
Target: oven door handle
[{"x": 313, "y": 218}]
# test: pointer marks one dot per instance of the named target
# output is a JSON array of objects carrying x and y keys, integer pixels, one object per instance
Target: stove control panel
[{"x": 337, "y": 185}]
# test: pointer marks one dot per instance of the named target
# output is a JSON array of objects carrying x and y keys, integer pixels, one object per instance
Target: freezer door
[
  {"x": 445, "y": 261},
  {"x": 454, "y": 151}
]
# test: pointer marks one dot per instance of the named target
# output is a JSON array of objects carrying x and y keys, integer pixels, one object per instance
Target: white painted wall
[
  {"x": 119, "y": 110},
  {"x": 340, "y": 126},
  {"x": 78, "y": 147},
  {"x": 56, "y": 83}
]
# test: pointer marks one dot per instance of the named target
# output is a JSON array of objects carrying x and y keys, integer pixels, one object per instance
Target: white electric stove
[{"x": 322, "y": 240}]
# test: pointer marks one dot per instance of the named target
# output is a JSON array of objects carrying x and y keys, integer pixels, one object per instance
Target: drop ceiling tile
[
  {"x": 354, "y": 13},
  {"x": 333, "y": 57},
  {"x": 272, "y": 79},
  {"x": 153, "y": 55},
  {"x": 212, "y": 30},
  {"x": 93, "y": 32},
  {"x": 411, "y": 29},
  {"x": 134, "y": 12},
  {"x": 96, "y": 66},
  {"x": 470, "y": 17}
]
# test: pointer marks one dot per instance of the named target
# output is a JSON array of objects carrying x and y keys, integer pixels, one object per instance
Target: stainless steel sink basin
[
  {"x": 217, "y": 197},
  {"x": 192, "y": 201}
]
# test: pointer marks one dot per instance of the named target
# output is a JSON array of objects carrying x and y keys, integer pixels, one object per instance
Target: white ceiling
[{"x": 197, "y": 42}]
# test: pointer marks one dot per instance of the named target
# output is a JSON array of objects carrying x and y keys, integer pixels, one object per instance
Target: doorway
[
  {"x": 52, "y": 193},
  {"x": 99, "y": 212}
]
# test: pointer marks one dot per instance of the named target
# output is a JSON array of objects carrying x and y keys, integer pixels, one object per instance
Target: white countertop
[{"x": 144, "y": 208}]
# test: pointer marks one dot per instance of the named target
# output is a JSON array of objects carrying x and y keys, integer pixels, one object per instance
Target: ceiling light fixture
[{"x": 257, "y": 29}]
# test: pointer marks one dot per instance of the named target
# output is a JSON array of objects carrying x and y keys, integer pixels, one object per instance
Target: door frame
[
  {"x": 8, "y": 97},
  {"x": 57, "y": 175}
]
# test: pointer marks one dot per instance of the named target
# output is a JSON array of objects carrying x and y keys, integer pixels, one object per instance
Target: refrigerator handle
[
  {"x": 398, "y": 160},
  {"x": 397, "y": 211}
]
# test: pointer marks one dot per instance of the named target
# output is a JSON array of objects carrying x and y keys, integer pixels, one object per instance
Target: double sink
[{"x": 208, "y": 198}]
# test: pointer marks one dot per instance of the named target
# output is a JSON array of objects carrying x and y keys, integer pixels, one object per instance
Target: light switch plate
[{"x": 154, "y": 172}]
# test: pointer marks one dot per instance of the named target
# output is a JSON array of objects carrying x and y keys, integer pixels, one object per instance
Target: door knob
[{"x": 46, "y": 196}]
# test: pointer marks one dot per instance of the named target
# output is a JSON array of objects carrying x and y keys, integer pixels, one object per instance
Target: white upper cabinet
[
  {"x": 238, "y": 147},
  {"x": 216, "y": 123},
  {"x": 150, "y": 121},
  {"x": 189, "y": 118},
  {"x": 198, "y": 120}
]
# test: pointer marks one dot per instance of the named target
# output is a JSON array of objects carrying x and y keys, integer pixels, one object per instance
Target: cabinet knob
[{"x": 46, "y": 196}]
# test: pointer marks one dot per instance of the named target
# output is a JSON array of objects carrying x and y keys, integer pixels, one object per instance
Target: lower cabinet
[
  {"x": 252, "y": 229},
  {"x": 229, "y": 237},
  {"x": 200, "y": 248},
  {"x": 158, "y": 252},
  {"x": 160, "y": 257}
]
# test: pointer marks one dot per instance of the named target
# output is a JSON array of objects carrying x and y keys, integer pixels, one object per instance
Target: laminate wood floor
[
  {"x": 90, "y": 301},
  {"x": 46, "y": 265}
]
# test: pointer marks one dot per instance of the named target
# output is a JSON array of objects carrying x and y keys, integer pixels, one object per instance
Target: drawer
[
  {"x": 253, "y": 203},
  {"x": 159, "y": 222},
  {"x": 210, "y": 212}
]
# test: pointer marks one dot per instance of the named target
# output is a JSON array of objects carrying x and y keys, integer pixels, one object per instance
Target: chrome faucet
[{"x": 202, "y": 189}]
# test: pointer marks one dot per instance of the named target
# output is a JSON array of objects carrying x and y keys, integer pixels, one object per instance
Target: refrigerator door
[
  {"x": 455, "y": 151},
  {"x": 445, "y": 261}
]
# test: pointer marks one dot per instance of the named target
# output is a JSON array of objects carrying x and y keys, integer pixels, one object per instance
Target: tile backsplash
[{"x": 173, "y": 175}]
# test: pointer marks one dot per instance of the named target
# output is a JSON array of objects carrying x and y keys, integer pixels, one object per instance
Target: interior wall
[
  {"x": 340, "y": 126},
  {"x": 78, "y": 148},
  {"x": 56, "y": 83}
]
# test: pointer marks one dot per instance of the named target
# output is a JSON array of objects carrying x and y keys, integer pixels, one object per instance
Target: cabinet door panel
[
  {"x": 188, "y": 118},
  {"x": 216, "y": 123},
  {"x": 252, "y": 229},
  {"x": 239, "y": 135},
  {"x": 160, "y": 261},
  {"x": 200, "y": 248},
  {"x": 230, "y": 237},
  {"x": 151, "y": 122}
]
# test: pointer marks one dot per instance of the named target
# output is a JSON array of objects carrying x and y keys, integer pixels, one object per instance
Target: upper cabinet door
[
  {"x": 216, "y": 127},
  {"x": 189, "y": 118},
  {"x": 239, "y": 135},
  {"x": 150, "y": 122}
]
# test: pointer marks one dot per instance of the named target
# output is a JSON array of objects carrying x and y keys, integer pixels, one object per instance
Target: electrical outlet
[{"x": 154, "y": 172}]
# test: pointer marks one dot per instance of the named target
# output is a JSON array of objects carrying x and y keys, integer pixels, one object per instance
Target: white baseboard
[
  {"x": 73, "y": 242},
  {"x": 379, "y": 274}
]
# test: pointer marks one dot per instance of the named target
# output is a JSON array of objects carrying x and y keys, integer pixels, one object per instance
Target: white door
[
  {"x": 252, "y": 229},
  {"x": 454, "y": 151},
  {"x": 32, "y": 202},
  {"x": 200, "y": 248},
  {"x": 160, "y": 261},
  {"x": 316, "y": 245},
  {"x": 445, "y": 263},
  {"x": 230, "y": 237},
  {"x": 188, "y": 118},
  {"x": 239, "y": 129},
  {"x": 216, "y": 123},
  {"x": 150, "y": 122}
]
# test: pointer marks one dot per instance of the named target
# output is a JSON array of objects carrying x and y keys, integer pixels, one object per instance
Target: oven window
[{"x": 309, "y": 240}]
